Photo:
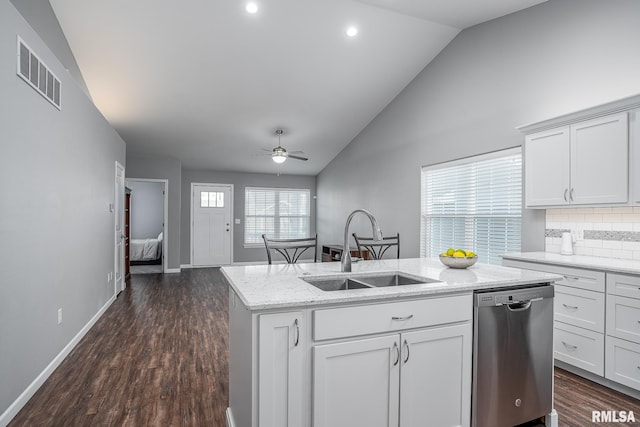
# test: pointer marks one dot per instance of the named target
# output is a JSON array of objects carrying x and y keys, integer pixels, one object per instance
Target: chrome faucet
[{"x": 346, "y": 253}]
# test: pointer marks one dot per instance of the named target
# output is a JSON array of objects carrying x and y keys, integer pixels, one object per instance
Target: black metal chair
[
  {"x": 291, "y": 249},
  {"x": 377, "y": 248}
]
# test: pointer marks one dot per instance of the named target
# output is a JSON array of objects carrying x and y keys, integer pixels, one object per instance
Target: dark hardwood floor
[{"x": 158, "y": 357}]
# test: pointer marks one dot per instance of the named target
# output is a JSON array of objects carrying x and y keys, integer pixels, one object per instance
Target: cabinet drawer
[
  {"x": 624, "y": 285},
  {"x": 579, "y": 308},
  {"x": 579, "y": 347},
  {"x": 372, "y": 319},
  {"x": 623, "y": 362},
  {"x": 575, "y": 277},
  {"x": 623, "y": 318}
]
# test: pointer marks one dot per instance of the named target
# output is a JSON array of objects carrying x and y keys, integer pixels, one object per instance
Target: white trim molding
[{"x": 28, "y": 393}]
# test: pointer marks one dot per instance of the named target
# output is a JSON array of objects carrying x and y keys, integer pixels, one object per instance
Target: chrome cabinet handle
[
  {"x": 409, "y": 317},
  {"x": 570, "y": 307},
  {"x": 406, "y": 345},
  {"x": 571, "y": 195},
  {"x": 569, "y": 346},
  {"x": 565, "y": 194},
  {"x": 297, "y": 341},
  {"x": 571, "y": 277},
  {"x": 395, "y": 347}
]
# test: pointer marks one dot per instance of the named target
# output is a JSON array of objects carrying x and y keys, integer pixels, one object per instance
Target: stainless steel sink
[
  {"x": 365, "y": 281},
  {"x": 337, "y": 284},
  {"x": 394, "y": 279}
]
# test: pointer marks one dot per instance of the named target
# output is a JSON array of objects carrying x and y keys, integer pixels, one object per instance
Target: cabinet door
[
  {"x": 356, "y": 383},
  {"x": 435, "y": 384},
  {"x": 546, "y": 168},
  {"x": 599, "y": 160},
  {"x": 281, "y": 370}
]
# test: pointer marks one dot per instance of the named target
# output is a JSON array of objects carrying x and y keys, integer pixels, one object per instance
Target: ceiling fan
[{"x": 279, "y": 154}]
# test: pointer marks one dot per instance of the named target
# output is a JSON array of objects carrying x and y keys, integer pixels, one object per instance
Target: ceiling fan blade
[{"x": 297, "y": 157}]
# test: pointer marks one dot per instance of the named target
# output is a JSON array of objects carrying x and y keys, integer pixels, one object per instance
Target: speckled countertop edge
[
  {"x": 613, "y": 265},
  {"x": 264, "y": 287}
]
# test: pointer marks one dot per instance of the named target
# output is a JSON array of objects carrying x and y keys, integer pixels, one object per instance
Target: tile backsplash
[{"x": 604, "y": 232}]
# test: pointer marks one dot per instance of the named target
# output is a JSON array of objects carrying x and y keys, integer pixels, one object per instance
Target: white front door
[
  {"x": 211, "y": 225},
  {"x": 119, "y": 229}
]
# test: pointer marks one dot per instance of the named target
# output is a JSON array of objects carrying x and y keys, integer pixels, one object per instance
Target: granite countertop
[
  {"x": 613, "y": 265},
  {"x": 274, "y": 286}
]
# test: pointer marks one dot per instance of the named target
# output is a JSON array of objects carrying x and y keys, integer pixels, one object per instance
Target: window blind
[
  {"x": 279, "y": 213},
  {"x": 473, "y": 204}
]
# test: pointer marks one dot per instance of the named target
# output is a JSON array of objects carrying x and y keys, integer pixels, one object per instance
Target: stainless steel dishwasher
[{"x": 512, "y": 355}]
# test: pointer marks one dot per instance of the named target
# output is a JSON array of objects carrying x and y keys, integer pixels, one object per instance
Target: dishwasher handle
[{"x": 519, "y": 306}]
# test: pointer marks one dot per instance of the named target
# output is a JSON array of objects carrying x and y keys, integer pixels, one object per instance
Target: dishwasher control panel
[{"x": 513, "y": 296}]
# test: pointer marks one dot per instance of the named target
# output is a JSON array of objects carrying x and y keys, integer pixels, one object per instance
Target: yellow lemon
[
  {"x": 471, "y": 254},
  {"x": 450, "y": 251},
  {"x": 459, "y": 254}
]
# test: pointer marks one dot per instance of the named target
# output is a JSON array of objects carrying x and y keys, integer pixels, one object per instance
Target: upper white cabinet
[
  {"x": 546, "y": 165},
  {"x": 600, "y": 161},
  {"x": 585, "y": 158},
  {"x": 585, "y": 163},
  {"x": 634, "y": 136}
]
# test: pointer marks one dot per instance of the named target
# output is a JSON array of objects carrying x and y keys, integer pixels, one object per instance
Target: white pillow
[{"x": 160, "y": 237}]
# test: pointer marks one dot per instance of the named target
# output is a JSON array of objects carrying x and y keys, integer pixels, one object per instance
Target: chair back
[
  {"x": 291, "y": 249},
  {"x": 377, "y": 249}
]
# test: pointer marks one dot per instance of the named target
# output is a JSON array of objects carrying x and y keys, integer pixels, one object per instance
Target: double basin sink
[{"x": 365, "y": 281}]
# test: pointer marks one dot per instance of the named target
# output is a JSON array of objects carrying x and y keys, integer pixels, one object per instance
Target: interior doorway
[
  {"x": 148, "y": 225},
  {"x": 119, "y": 235},
  {"x": 211, "y": 229}
]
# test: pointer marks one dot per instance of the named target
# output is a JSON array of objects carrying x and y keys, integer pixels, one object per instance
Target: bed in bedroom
[{"x": 146, "y": 251}]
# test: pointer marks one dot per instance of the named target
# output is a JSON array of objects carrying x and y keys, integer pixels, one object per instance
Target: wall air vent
[{"x": 37, "y": 74}]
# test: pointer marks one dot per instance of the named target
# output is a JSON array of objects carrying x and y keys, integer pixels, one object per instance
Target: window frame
[
  {"x": 470, "y": 221},
  {"x": 277, "y": 191}
]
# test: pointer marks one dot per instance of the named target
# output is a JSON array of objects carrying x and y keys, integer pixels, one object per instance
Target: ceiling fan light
[{"x": 279, "y": 158}]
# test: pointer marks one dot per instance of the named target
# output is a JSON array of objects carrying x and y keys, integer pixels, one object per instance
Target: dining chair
[
  {"x": 291, "y": 249},
  {"x": 377, "y": 248}
]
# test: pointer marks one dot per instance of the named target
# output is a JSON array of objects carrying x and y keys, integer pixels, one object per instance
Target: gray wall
[
  {"x": 147, "y": 209},
  {"x": 170, "y": 169},
  {"x": 57, "y": 246},
  {"x": 240, "y": 181},
  {"x": 40, "y": 15},
  {"x": 554, "y": 58}
]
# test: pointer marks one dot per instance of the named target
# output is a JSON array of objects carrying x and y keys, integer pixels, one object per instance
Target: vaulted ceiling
[{"x": 208, "y": 83}]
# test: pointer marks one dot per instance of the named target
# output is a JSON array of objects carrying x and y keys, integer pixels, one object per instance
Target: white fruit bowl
[{"x": 458, "y": 262}]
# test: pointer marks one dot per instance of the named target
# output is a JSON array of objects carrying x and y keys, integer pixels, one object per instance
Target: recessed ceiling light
[
  {"x": 252, "y": 7},
  {"x": 352, "y": 31}
]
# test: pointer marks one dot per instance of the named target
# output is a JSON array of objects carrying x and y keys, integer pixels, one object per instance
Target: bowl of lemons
[{"x": 458, "y": 258}]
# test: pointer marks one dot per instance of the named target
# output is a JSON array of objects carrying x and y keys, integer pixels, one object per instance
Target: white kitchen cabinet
[
  {"x": 586, "y": 163},
  {"x": 600, "y": 160},
  {"x": 634, "y": 138},
  {"x": 400, "y": 363},
  {"x": 623, "y": 330},
  {"x": 281, "y": 369},
  {"x": 546, "y": 168},
  {"x": 436, "y": 377},
  {"x": 355, "y": 383}
]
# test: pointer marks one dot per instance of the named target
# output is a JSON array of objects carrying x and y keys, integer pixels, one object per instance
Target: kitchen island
[{"x": 381, "y": 356}]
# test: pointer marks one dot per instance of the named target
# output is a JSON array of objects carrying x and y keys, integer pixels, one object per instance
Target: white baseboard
[
  {"x": 22, "y": 400},
  {"x": 172, "y": 270},
  {"x": 185, "y": 266},
  {"x": 229, "y": 415}
]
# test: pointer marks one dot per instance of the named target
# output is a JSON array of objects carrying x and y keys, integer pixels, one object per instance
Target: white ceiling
[{"x": 207, "y": 83}]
